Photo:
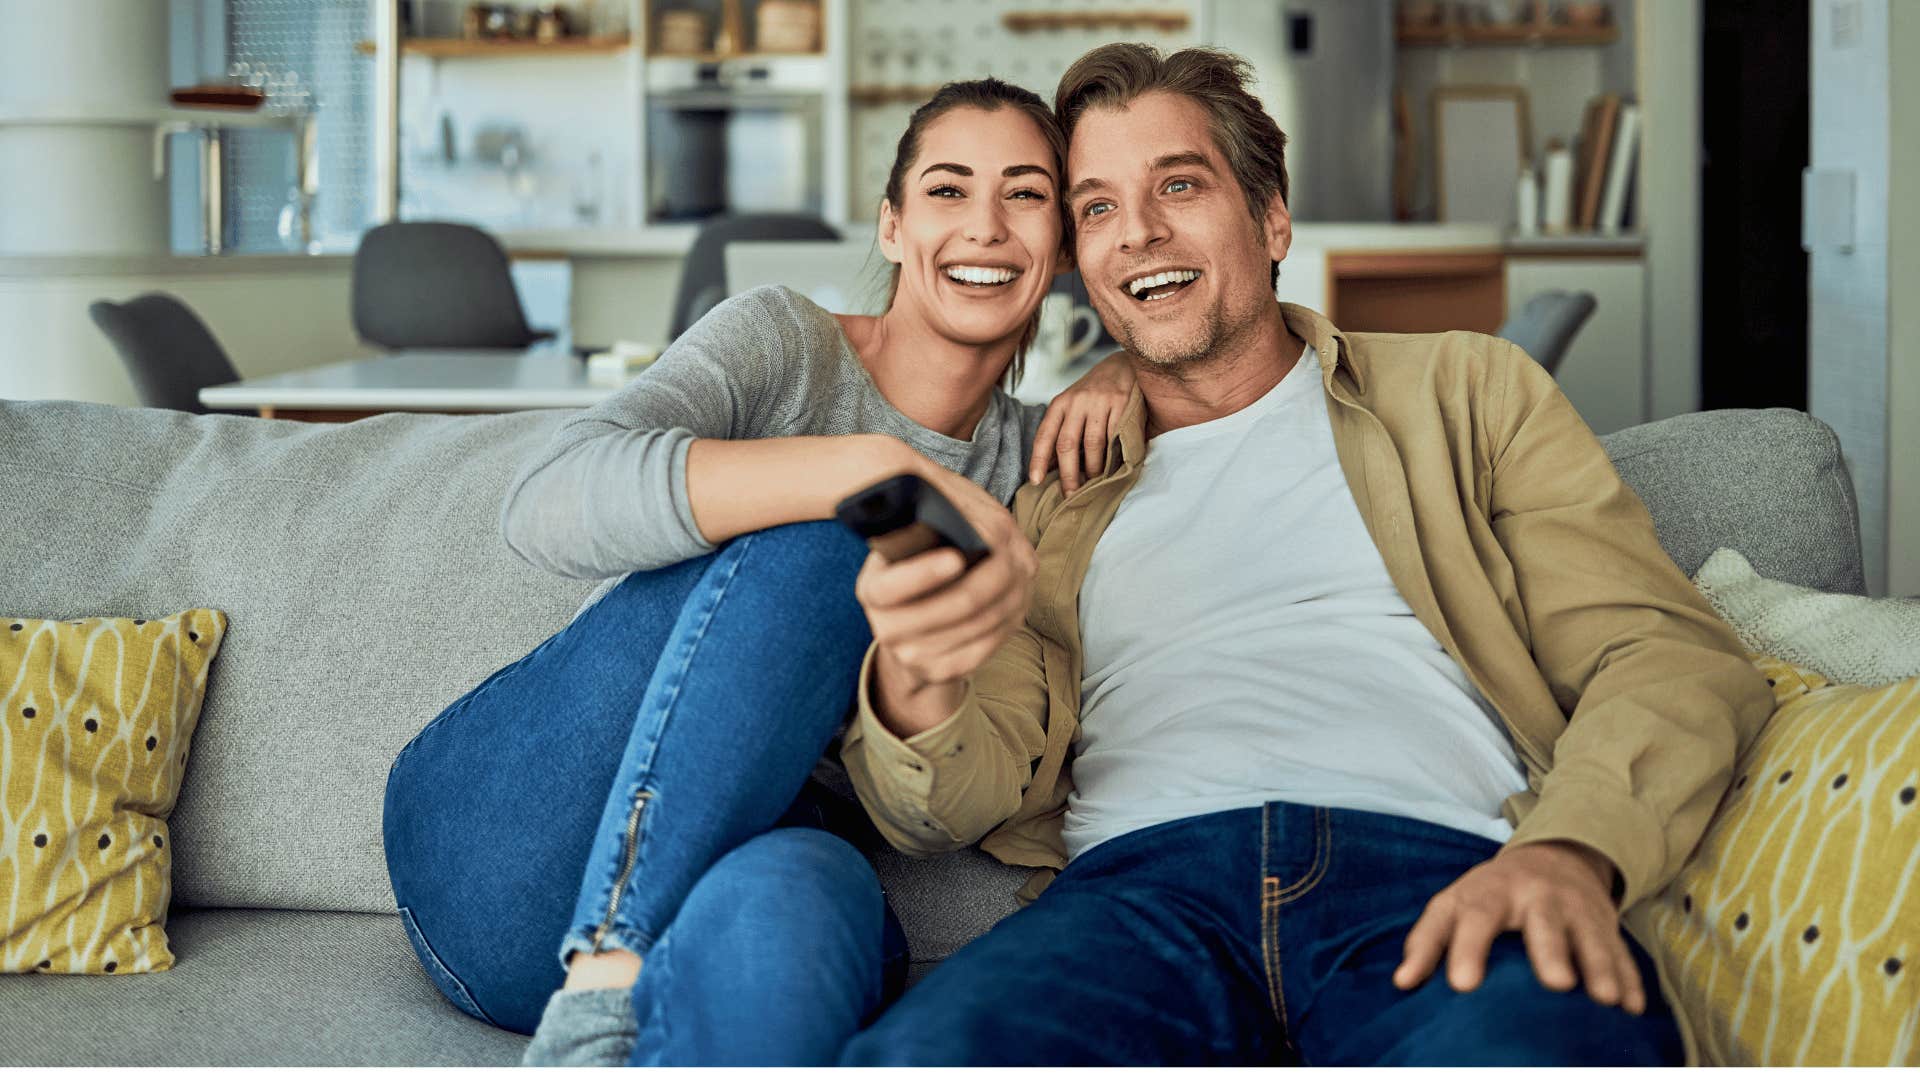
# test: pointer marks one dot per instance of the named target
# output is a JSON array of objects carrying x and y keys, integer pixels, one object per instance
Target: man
[{"x": 1366, "y": 660}]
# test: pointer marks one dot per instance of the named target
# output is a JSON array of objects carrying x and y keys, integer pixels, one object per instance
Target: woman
[{"x": 616, "y": 791}]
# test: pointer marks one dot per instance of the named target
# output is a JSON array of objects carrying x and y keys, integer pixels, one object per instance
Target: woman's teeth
[
  {"x": 1156, "y": 286},
  {"x": 981, "y": 275}
]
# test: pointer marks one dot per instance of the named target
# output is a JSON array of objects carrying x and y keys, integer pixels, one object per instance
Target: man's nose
[{"x": 1145, "y": 227}]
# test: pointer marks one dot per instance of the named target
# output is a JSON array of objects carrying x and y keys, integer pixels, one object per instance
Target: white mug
[{"x": 1062, "y": 337}]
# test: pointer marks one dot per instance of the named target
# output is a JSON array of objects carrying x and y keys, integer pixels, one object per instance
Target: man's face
[{"x": 1172, "y": 260}]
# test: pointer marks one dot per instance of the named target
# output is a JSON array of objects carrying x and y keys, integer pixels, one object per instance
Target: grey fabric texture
[
  {"x": 253, "y": 988},
  {"x": 1769, "y": 483},
  {"x": 368, "y": 588},
  {"x": 608, "y": 494},
  {"x": 592, "y": 1028},
  {"x": 365, "y": 582}
]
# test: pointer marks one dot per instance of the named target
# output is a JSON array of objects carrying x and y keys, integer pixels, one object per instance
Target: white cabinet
[{"x": 1604, "y": 372}]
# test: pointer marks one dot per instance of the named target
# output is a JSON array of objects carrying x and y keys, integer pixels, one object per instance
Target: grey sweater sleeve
[{"x": 608, "y": 493}]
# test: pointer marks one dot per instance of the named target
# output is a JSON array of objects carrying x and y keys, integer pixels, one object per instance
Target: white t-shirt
[{"x": 1244, "y": 644}]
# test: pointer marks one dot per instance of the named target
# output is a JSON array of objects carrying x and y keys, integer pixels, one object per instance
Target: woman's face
[{"x": 977, "y": 235}]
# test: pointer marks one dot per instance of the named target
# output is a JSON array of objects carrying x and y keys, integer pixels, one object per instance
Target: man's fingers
[
  {"x": 1633, "y": 997},
  {"x": 1546, "y": 939},
  {"x": 1596, "y": 962},
  {"x": 1473, "y": 936},
  {"x": 886, "y": 585},
  {"x": 1094, "y": 438},
  {"x": 1425, "y": 944}
]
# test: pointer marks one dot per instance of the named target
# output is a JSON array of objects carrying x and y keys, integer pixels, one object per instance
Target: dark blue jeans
[
  {"x": 618, "y": 788},
  {"x": 1253, "y": 936}
]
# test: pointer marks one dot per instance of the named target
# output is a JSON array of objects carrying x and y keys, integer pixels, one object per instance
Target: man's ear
[
  {"x": 889, "y": 232},
  {"x": 1278, "y": 229}
]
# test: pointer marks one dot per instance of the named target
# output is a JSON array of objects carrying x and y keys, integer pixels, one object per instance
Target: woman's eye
[
  {"x": 946, "y": 191},
  {"x": 1029, "y": 193}
]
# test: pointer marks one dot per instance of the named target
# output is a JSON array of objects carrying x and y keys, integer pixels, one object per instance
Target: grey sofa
[{"x": 368, "y": 587}]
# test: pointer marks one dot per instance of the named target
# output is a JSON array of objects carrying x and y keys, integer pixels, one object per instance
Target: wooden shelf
[
  {"x": 1167, "y": 22},
  {"x": 450, "y": 48},
  {"x": 719, "y": 57},
  {"x": 1521, "y": 34},
  {"x": 887, "y": 95}
]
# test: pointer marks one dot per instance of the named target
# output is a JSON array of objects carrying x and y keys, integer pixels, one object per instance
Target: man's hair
[{"x": 1111, "y": 76}]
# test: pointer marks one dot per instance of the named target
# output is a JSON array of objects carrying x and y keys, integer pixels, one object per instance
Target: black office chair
[
  {"x": 436, "y": 285},
  {"x": 1547, "y": 324},
  {"x": 168, "y": 352},
  {"x": 703, "y": 276}
]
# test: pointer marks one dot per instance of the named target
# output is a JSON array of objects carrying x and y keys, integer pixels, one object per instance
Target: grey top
[{"x": 607, "y": 495}]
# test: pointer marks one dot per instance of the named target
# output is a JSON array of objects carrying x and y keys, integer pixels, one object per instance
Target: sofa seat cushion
[{"x": 253, "y": 988}]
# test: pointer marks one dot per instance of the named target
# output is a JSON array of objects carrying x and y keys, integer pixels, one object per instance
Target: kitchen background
[{"x": 593, "y": 137}]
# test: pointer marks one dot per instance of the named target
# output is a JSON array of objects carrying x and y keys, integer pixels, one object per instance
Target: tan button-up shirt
[{"x": 1516, "y": 543}]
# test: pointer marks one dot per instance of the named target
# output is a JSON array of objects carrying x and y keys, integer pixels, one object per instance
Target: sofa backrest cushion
[
  {"x": 366, "y": 584},
  {"x": 1769, "y": 483}
]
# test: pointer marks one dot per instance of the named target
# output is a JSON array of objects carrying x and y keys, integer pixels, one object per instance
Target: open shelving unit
[
  {"x": 451, "y": 48},
  {"x": 1531, "y": 33}
]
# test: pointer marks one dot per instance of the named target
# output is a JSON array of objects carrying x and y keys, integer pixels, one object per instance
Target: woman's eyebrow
[{"x": 1011, "y": 170}]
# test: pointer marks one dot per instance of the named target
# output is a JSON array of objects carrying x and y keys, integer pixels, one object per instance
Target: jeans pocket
[{"x": 442, "y": 976}]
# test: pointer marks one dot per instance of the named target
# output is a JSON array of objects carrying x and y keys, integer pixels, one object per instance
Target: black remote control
[{"x": 903, "y": 515}]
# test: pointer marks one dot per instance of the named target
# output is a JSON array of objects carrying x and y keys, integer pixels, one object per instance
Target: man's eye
[
  {"x": 1177, "y": 186},
  {"x": 1095, "y": 209}
]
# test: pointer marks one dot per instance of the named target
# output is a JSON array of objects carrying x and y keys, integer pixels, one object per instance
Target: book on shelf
[
  {"x": 1626, "y": 138},
  {"x": 1596, "y": 151}
]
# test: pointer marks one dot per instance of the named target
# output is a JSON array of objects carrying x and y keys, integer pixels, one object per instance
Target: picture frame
[{"x": 1481, "y": 139}]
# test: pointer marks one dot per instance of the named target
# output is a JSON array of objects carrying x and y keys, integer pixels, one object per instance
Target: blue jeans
[
  {"x": 1254, "y": 936},
  {"x": 616, "y": 788}
]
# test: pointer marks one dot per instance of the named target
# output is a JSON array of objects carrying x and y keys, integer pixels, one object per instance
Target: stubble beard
[{"x": 1182, "y": 357}]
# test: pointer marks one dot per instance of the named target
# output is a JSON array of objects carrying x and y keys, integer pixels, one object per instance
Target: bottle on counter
[{"x": 1527, "y": 202}]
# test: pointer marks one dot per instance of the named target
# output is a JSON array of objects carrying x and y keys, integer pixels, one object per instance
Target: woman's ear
[{"x": 889, "y": 232}]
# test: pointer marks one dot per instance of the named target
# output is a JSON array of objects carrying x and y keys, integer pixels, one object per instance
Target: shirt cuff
[{"x": 917, "y": 753}]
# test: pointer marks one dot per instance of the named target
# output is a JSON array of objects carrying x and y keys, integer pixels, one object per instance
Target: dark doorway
[{"x": 1753, "y": 274}]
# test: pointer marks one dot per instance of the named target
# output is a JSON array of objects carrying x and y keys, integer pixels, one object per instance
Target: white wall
[
  {"x": 1669, "y": 197},
  {"x": 270, "y": 313},
  {"x": 1903, "y": 331},
  {"x": 1847, "y": 290}
]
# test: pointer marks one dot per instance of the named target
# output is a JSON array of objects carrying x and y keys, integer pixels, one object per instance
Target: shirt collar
[{"x": 1128, "y": 443}]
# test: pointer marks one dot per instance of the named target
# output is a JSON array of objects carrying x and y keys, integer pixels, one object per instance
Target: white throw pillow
[{"x": 1849, "y": 639}]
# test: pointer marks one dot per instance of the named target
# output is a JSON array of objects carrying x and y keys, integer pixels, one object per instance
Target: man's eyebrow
[
  {"x": 1189, "y": 158},
  {"x": 947, "y": 166}
]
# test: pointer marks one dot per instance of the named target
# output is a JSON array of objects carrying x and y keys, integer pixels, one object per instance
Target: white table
[{"x": 419, "y": 380}]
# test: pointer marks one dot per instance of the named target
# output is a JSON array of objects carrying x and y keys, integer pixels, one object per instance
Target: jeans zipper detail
[{"x": 626, "y": 868}]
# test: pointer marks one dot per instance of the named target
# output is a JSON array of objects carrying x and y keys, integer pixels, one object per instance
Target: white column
[{"x": 80, "y": 84}]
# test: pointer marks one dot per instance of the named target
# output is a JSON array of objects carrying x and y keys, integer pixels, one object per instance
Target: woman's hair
[
  {"x": 991, "y": 95},
  {"x": 1111, "y": 76}
]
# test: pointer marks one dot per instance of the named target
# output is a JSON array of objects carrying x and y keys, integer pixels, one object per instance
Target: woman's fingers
[
  {"x": 1094, "y": 438},
  {"x": 1043, "y": 440}
]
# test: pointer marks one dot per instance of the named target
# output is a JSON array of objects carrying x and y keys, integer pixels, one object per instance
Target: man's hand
[
  {"x": 1557, "y": 894},
  {"x": 936, "y": 621}
]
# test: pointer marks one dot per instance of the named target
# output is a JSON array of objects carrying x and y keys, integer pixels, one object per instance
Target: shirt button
[{"x": 915, "y": 766}]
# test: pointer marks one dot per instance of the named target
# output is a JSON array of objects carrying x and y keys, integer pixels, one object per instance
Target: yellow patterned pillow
[
  {"x": 1792, "y": 936},
  {"x": 97, "y": 716}
]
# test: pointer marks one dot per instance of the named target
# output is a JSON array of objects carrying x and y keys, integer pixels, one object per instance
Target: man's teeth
[
  {"x": 981, "y": 275},
  {"x": 1153, "y": 281}
]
